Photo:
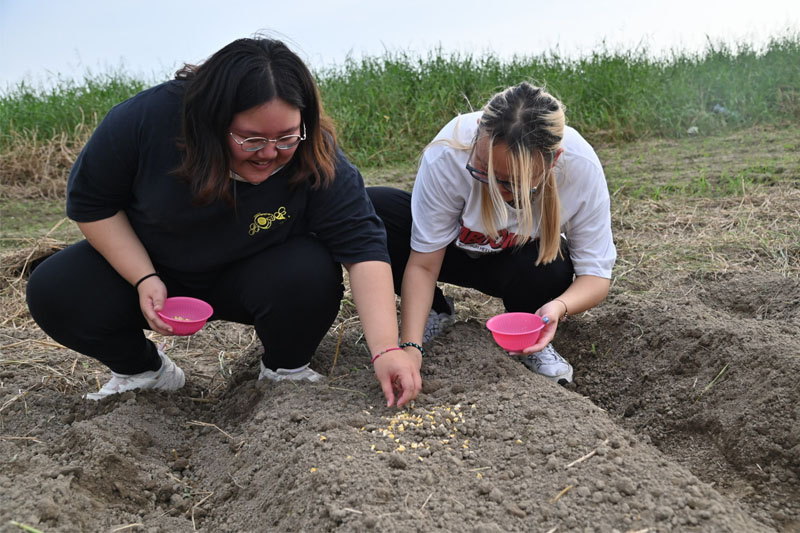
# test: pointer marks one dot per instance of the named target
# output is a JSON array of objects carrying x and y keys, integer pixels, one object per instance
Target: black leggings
[
  {"x": 511, "y": 275},
  {"x": 290, "y": 293}
]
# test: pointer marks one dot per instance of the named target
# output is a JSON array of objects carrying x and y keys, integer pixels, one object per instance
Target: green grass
[
  {"x": 28, "y": 112},
  {"x": 387, "y": 108},
  {"x": 711, "y": 167},
  {"x": 26, "y": 220}
]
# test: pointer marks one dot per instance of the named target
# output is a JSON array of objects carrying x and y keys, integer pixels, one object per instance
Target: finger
[
  {"x": 407, "y": 385},
  {"x": 154, "y": 297},
  {"x": 167, "y": 328},
  {"x": 157, "y": 302},
  {"x": 150, "y": 312},
  {"x": 548, "y": 333},
  {"x": 539, "y": 346},
  {"x": 156, "y": 323},
  {"x": 160, "y": 327},
  {"x": 388, "y": 391},
  {"x": 163, "y": 325}
]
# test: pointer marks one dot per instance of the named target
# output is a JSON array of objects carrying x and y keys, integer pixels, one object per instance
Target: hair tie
[{"x": 136, "y": 286}]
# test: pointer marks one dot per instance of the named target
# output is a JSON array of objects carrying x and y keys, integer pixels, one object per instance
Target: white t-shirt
[{"x": 446, "y": 202}]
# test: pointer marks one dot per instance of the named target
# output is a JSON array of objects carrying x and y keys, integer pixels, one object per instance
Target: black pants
[
  {"x": 511, "y": 275},
  {"x": 290, "y": 293}
]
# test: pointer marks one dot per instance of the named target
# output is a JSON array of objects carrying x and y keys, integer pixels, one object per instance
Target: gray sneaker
[
  {"x": 169, "y": 377},
  {"x": 293, "y": 374},
  {"x": 439, "y": 322},
  {"x": 549, "y": 364}
]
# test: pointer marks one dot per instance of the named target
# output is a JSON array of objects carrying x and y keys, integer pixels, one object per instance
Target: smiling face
[{"x": 270, "y": 120}]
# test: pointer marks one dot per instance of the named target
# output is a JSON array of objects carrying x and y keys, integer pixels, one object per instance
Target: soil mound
[{"x": 683, "y": 417}]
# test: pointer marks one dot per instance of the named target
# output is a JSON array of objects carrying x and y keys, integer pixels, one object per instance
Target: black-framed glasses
[
  {"x": 254, "y": 144},
  {"x": 483, "y": 177}
]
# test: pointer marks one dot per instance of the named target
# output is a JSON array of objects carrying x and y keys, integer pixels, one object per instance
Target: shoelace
[{"x": 545, "y": 356}]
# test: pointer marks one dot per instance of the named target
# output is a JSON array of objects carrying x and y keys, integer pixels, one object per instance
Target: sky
[{"x": 46, "y": 40}]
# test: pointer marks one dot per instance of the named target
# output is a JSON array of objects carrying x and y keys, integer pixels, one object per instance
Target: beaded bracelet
[
  {"x": 375, "y": 357},
  {"x": 136, "y": 286},
  {"x": 415, "y": 345}
]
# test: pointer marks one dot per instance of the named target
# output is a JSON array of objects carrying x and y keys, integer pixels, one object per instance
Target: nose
[{"x": 269, "y": 151}]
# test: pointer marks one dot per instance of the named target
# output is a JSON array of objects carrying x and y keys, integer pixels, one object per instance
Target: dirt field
[{"x": 684, "y": 414}]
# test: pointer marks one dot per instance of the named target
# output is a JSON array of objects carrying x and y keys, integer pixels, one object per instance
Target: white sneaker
[
  {"x": 169, "y": 377},
  {"x": 439, "y": 322},
  {"x": 293, "y": 374},
  {"x": 549, "y": 364}
]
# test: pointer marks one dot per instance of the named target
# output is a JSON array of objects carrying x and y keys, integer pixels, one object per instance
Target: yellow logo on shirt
[{"x": 265, "y": 220}]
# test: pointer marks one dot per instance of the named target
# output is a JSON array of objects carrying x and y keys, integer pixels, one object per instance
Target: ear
[{"x": 555, "y": 158}]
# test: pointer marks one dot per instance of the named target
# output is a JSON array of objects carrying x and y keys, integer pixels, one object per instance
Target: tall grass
[
  {"x": 27, "y": 111},
  {"x": 387, "y": 108},
  {"x": 41, "y": 131}
]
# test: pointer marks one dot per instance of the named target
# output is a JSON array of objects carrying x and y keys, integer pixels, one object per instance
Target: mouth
[{"x": 261, "y": 165}]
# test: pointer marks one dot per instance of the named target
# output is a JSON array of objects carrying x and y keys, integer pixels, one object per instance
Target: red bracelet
[{"x": 375, "y": 357}]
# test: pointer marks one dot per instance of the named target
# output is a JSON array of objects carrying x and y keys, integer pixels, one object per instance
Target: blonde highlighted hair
[{"x": 530, "y": 123}]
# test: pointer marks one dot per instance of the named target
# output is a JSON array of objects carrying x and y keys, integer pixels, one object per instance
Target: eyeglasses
[
  {"x": 483, "y": 177},
  {"x": 254, "y": 144}
]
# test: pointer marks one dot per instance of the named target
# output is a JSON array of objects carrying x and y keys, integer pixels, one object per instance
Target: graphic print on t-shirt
[
  {"x": 265, "y": 220},
  {"x": 479, "y": 242}
]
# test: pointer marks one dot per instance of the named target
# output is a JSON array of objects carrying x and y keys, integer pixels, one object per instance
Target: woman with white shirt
[{"x": 511, "y": 202}]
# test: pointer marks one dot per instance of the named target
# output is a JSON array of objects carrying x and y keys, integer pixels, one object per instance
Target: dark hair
[{"x": 244, "y": 74}]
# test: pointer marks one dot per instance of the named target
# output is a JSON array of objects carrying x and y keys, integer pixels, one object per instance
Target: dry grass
[
  {"x": 658, "y": 242},
  {"x": 659, "y": 239},
  {"x": 33, "y": 168}
]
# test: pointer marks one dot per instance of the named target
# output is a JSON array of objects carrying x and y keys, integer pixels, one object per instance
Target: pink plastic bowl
[
  {"x": 515, "y": 331},
  {"x": 185, "y": 315}
]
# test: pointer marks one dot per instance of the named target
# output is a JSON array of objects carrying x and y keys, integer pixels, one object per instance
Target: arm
[
  {"x": 583, "y": 293},
  {"x": 371, "y": 283},
  {"x": 116, "y": 241},
  {"x": 586, "y": 212},
  {"x": 419, "y": 282}
]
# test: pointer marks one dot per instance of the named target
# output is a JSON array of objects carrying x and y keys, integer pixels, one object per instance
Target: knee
[
  {"x": 321, "y": 281},
  {"x": 44, "y": 292},
  {"x": 377, "y": 195},
  {"x": 310, "y": 275},
  {"x": 388, "y": 201}
]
